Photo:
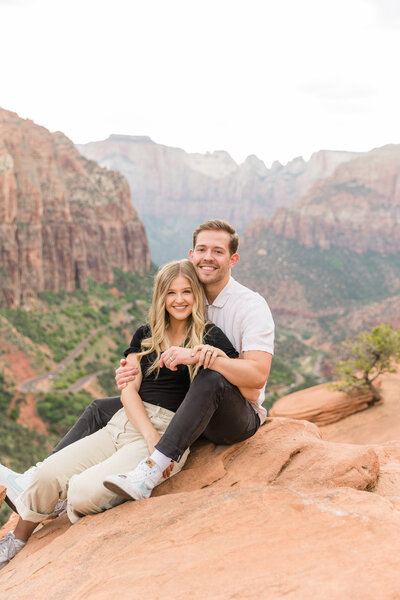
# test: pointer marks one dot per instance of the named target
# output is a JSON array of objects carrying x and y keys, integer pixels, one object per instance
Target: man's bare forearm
[{"x": 244, "y": 373}]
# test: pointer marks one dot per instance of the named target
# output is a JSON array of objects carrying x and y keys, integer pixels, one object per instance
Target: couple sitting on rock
[{"x": 183, "y": 377}]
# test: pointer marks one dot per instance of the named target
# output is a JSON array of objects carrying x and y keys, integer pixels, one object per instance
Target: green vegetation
[
  {"x": 330, "y": 280},
  {"x": 55, "y": 325},
  {"x": 60, "y": 411},
  {"x": 107, "y": 382},
  {"x": 371, "y": 354},
  {"x": 309, "y": 380},
  {"x": 19, "y": 449},
  {"x": 281, "y": 373},
  {"x": 6, "y": 393}
]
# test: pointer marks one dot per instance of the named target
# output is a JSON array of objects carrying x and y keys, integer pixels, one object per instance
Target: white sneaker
[
  {"x": 9, "y": 547},
  {"x": 137, "y": 484},
  {"x": 16, "y": 483}
]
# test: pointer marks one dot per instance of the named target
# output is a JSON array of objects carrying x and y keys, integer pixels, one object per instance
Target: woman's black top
[{"x": 170, "y": 387}]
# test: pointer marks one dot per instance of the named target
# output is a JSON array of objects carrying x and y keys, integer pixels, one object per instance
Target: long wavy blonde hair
[{"x": 159, "y": 317}]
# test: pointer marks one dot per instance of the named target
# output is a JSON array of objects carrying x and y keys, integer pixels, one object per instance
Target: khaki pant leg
[
  {"x": 50, "y": 480},
  {"x": 87, "y": 494}
]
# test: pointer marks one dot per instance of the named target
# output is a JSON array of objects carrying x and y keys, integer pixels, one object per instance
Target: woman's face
[{"x": 179, "y": 299}]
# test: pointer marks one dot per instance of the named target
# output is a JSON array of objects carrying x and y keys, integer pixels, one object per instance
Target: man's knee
[
  {"x": 101, "y": 410},
  {"x": 209, "y": 380}
]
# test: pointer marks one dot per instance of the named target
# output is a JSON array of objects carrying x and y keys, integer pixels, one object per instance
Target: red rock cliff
[
  {"x": 357, "y": 208},
  {"x": 62, "y": 217}
]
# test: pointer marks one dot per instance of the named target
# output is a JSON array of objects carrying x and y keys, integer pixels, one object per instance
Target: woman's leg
[
  {"x": 50, "y": 479},
  {"x": 49, "y": 483},
  {"x": 87, "y": 494}
]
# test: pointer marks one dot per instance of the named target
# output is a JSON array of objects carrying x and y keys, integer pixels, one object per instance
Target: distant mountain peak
[{"x": 133, "y": 139}]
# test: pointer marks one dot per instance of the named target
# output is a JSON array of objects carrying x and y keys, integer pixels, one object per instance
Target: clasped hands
[{"x": 202, "y": 354}]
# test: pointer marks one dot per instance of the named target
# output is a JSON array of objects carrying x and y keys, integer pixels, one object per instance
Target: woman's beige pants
[{"x": 77, "y": 471}]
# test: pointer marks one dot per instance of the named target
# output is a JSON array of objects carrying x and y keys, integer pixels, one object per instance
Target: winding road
[{"x": 30, "y": 385}]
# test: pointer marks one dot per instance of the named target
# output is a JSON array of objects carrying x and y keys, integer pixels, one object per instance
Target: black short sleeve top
[{"x": 170, "y": 387}]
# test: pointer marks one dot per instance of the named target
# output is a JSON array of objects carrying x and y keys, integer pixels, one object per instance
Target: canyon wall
[
  {"x": 357, "y": 207},
  {"x": 62, "y": 217},
  {"x": 174, "y": 191},
  {"x": 331, "y": 263}
]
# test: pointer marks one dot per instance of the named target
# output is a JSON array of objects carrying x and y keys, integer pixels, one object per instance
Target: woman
[{"x": 77, "y": 472}]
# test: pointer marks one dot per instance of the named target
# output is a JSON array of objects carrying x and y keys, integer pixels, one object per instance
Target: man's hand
[
  {"x": 176, "y": 355},
  {"x": 124, "y": 374},
  {"x": 206, "y": 355}
]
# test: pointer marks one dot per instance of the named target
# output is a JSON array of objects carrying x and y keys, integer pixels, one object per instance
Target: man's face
[{"x": 211, "y": 257}]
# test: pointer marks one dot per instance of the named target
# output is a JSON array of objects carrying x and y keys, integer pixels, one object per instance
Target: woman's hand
[
  {"x": 206, "y": 355},
  {"x": 176, "y": 355}
]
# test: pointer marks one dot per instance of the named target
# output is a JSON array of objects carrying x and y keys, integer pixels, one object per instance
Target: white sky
[{"x": 275, "y": 78}]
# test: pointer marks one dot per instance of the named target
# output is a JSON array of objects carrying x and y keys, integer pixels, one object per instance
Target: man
[{"x": 213, "y": 406}]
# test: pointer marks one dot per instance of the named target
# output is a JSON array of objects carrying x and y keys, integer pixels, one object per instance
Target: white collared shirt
[{"x": 245, "y": 318}]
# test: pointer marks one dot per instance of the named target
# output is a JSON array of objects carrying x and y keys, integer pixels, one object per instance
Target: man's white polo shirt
[{"x": 245, "y": 318}]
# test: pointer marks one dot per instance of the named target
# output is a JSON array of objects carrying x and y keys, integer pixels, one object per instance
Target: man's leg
[
  {"x": 212, "y": 407},
  {"x": 95, "y": 417}
]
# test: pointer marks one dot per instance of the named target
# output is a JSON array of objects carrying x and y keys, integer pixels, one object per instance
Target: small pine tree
[{"x": 371, "y": 354}]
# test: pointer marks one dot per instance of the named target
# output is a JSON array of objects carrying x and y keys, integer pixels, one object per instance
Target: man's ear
[
  {"x": 234, "y": 258},
  {"x": 191, "y": 254}
]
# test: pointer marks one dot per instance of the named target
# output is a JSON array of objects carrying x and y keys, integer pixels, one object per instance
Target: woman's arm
[{"x": 135, "y": 409}]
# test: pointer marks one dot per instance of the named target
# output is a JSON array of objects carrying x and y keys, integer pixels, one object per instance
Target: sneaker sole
[{"x": 116, "y": 489}]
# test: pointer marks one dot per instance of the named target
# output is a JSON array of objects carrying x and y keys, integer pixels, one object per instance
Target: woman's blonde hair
[{"x": 159, "y": 317}]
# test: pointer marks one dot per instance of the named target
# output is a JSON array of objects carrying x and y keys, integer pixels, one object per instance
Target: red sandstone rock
[
  {"x": 62, "y": 218},
  {"x": 355, "y": 208},
  {"x": 377, "y": 425},
  {"x": 320, "y": 405},
  {"x": 276, "y": 516}
]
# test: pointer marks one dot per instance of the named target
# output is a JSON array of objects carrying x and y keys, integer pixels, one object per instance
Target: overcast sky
[{"x": 275, "y": 78}]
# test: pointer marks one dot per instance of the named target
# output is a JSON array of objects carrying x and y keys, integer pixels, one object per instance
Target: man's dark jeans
[
  {"x": 212, "y": 407},
  {"x": 95, "y": 417}
]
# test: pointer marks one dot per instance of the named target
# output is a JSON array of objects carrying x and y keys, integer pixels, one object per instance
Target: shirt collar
[{"x": 224, "y": 294}]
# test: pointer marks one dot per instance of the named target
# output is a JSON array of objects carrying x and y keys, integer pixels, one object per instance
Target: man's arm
[{"x": 251, "y": 372}]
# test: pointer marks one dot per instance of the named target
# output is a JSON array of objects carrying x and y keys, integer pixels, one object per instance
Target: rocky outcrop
[
  {"x": 282, "y": 514},
  {"x": 62, "y": 217},
  {"x": 174, "y": 191},
  {"x": 379, "y": 424},
  {"x": 320, "y": 405},
  {"x": 358, "y": 207}
]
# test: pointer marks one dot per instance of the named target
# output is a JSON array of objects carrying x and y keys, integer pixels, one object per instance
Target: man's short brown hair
[{"x": 219, "y": 225}]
